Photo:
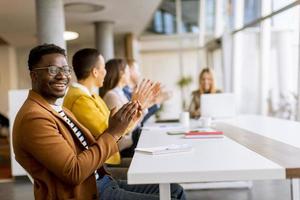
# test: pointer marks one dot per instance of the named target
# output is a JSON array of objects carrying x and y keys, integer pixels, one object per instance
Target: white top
[{"x": 115, "y": 98}]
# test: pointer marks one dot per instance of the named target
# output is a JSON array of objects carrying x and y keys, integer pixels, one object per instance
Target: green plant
[{"x": 183, "y": 83}]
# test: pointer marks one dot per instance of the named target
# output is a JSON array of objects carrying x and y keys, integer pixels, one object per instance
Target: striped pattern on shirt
[{"x": 75, "y": 130}]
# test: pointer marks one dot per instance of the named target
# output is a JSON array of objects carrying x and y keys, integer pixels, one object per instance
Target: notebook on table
[
  {"x": 166, "y": 149},
  {"x": 204, "y": 133}
]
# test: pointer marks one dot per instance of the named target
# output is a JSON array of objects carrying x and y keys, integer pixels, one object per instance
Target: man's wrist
[{"x": 116, "y": 137}]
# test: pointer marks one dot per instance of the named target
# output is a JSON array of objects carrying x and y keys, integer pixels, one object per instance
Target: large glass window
[
  {"x": 277, "y": 4},
  {"x": 164, "y": 20},
  {"x": 190, "y": 15},
  {"x": 283, "y": 69},
  {"x": 210, "y": 16},
  {"x": 228, "y": 13},
  {"x": 252, "y": 10},
  {"x": 216, "y": 64},
  {"x": 158, "y": 22},
  {"x": 169, "y": 23},
  {"x": 249, "y": 71},
  {"x": 263, "y": 63}
]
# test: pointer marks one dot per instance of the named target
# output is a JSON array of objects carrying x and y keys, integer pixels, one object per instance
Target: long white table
[{"x": 253, "y": 149}]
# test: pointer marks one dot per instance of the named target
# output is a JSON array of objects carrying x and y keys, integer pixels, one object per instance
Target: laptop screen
[{"x": 221, "y": 105}]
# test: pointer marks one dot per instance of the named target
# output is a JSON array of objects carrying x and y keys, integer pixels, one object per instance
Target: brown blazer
[{"x": 59, "y": 164}]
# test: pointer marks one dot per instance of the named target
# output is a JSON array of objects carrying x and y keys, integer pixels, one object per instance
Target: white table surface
[
  {"x": 285, "y": 131},
  {"x": 211, "y": 160}
]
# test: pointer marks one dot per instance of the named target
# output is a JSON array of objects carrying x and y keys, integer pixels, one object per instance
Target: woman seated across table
[{"x": 207, "y": 85}]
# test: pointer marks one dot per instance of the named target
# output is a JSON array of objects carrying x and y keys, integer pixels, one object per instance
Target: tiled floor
[{"x": 21, "y": 189}]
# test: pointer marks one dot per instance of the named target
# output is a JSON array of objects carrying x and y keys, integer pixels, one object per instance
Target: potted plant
[{"x": 183, "y": 83}]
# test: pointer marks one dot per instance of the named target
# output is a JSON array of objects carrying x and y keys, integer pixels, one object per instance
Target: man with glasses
[
  {"x": 54, "y": 70},
  {"x": 60, "y": 154}
]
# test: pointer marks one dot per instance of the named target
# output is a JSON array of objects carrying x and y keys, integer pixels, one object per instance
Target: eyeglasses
[{"x": 54, "y": 70}]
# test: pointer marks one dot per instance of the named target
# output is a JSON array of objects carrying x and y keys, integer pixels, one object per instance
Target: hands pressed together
[
  {"x": 145, "y": 94},
  {"x": 120, "y": 120}
]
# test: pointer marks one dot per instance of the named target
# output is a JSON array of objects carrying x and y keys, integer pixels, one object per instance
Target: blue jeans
[{"x": 111, "y": 189}]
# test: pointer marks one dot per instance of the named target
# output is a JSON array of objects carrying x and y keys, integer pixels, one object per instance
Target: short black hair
[
  {"x": 37, "y": 52},
  {"x": 83, "y": 62}
]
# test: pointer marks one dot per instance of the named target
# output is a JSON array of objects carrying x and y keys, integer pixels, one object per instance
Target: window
[
  {"x": 190, "y": 15},
  {"x": 283, "y": 69},
  {"x": 249, "y": 82},
  {"x": 210, "y": 17},
  {"x": 252, "y": 10},
  {"x": 278, "y": 4}
]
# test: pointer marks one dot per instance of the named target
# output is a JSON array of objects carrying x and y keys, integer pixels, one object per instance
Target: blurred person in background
[
  {"x": 116, "y": 79},
  {"x": 207, "y": 85},
  {"x": 133, "y": 80},
  {"x": 4, "y": 126}
]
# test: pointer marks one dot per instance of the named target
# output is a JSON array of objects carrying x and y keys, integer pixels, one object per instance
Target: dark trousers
[
  {"x": 120, "y": 190},
  {"x": 128, "y": 153}
]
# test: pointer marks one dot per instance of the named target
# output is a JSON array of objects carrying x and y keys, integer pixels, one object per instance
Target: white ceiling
[{"x": 18, "y": 27}]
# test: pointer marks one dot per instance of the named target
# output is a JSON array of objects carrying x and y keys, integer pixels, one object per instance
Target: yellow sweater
[{"x": 92, "y": 112}]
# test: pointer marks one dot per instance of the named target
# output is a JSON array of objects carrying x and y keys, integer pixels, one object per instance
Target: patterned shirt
[{"x": 75, "y": 129}]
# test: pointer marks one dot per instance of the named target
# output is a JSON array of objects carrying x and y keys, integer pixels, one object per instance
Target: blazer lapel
[
  {"x": 85, "y": 131},
  {"x": 41, "y": 101}
]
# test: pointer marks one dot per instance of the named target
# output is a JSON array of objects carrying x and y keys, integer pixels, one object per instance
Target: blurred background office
[{"x": 252, "y": 46}]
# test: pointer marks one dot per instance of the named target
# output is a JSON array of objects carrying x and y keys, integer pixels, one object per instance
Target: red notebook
[{"x": 204, "y": 133}]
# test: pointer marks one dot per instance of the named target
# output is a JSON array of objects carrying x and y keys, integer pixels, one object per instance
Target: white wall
[
  {"x": 159, "y": 60},
  {"x": 8, "y": 75},
  {"x": 16, "y": 100},
  {"x": 24, "y": 81}
]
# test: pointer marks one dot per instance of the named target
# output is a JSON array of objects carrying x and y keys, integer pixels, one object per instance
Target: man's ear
[
  {"x": 94, "y": 72},
  {"x": 33, "y": 75}
]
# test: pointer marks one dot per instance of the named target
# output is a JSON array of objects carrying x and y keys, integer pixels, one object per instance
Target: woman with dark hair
[{"x": 117, "y": 77}]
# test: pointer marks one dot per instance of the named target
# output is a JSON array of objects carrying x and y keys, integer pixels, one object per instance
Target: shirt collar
[
  {"x": 57, "y": 108},
  {"x": 82, "y": 87}
]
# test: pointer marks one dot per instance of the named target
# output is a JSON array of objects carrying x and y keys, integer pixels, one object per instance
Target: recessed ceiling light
[
  {"x": 70, "y": 35},
  {"x": 83, "y": 7}
]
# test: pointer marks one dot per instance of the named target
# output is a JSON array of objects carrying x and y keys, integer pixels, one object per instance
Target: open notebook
[{"x": 172, "y": 148}]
